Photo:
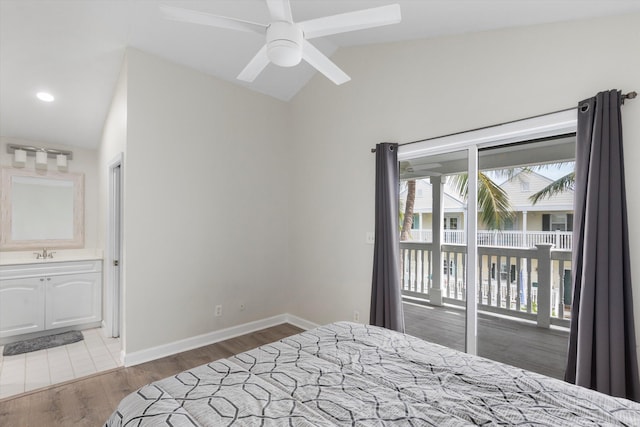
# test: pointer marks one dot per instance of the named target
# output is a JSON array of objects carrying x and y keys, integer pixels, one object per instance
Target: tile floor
[{"x": 30, "y": 371}]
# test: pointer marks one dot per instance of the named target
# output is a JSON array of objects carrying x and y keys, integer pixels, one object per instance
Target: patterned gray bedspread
[{"x": 351, "y": 374}]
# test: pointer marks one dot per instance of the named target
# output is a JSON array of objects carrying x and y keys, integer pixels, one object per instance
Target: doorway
[
  {"x": 499, "y": 281},
  {"x": 113, "y": 259}
]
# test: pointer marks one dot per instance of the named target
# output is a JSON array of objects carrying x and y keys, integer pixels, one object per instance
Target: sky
[
  {"x": 557, "y": 172},
  {"x": 553, "y": 172}
]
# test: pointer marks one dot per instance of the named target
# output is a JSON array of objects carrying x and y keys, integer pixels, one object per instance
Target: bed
[{"x": 352, "y": 374}]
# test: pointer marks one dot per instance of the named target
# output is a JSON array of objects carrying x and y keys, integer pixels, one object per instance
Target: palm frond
[
  {"x": 493, "y": 203},
  {"x": 547, "y": 166},
  {"x": 560, "y": 185},
  {"x": 460, "y": 183}
]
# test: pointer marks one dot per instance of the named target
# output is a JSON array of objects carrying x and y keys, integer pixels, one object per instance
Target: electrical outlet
[
  {"x": 218, "y": 311},
  {"x": 356, "y": 316},
  {"x": 242, "y": 306}
]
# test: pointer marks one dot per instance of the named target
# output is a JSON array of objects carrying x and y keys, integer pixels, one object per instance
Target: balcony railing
[
  {"x": 562, "y": 240},
  {"x": 527, "y": 283}
]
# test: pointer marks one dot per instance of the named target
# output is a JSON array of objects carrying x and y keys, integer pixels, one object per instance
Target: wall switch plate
[
  {"x": 370, "y": 237},
  {"x": 218, "y": 311},
  {"x": 356, "y": 316},
  {"x": 242, "y": 306}
]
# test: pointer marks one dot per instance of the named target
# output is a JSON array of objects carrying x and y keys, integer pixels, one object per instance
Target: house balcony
[
  {"x": 515, "y": 343},
  {"x": 523, "y": 297},
  {"x": 562, "y": 240},
  {"x": 531, "y": 284}
]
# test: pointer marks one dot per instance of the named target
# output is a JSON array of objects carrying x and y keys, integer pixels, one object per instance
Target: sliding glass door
[
  {"x": 524, "y": 253},
  {"x": 486, "y": 241},
  {"x": 433, "y": 209}
]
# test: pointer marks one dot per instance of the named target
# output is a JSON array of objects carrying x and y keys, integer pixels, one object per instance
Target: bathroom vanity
[
  {"x": 43, "y": 294},
  {"x": 49, "y": 294}
]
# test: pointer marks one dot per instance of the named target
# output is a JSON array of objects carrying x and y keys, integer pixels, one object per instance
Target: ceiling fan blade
[
  {"x": 203, "y": 18},
  {"x": 280, "y": 10},
  {"x": 323, "y": 64},
  {"x": 255, "y": 66},
  {"x": 351, "y": 21}
]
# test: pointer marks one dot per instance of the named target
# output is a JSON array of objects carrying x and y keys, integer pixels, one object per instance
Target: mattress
[{"x": 352, "y": 374}]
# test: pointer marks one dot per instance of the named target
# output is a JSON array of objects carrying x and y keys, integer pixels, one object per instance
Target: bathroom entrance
[{"x": 113, "y": 258}]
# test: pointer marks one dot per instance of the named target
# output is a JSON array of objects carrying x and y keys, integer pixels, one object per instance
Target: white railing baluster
[
  {"x": 562, "y": 240},
  {"x": 505, "y": 294}
]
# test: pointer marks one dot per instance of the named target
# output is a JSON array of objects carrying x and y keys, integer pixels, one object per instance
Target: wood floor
[
  {"x": 90, "y": 401},
  {"x": 514, "y": 343}
]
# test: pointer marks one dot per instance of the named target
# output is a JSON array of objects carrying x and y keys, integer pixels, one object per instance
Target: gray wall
[
  {"x": 413, "y": 90},
  {"x": 201, "y": 155}
]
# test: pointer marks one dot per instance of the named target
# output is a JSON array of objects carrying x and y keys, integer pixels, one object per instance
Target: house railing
[
  {"x": 525, "y": 283},
  {"x": 562, "y": 240}
]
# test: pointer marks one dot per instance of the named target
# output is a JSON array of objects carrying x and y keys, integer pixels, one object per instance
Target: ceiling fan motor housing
[{"x": 284, "y": 43}]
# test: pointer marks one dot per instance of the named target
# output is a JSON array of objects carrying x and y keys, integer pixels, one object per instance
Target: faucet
[{"x": 44, "y": 254}]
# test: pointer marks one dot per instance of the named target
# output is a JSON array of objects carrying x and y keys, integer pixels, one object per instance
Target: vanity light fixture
[
  {"x": 19, "y": 158},
  {"x": 42, "y": 155},
  {"x": 41, "y": 159},
  {"x": 61, "y": 161}
]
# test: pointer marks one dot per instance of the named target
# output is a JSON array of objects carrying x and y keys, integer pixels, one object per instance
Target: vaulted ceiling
[{"x": 74, "y": 49}]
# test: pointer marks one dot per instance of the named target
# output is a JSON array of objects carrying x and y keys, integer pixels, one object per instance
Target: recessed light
[{"x": 45, "y": 96}]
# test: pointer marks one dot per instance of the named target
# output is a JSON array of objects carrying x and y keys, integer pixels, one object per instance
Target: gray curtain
[
  {"x": 602, "y": 344},
  {"x": 386, "y": 297}
]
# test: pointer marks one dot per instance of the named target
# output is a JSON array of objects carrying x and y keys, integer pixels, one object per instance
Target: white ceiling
[{"x": 74, "y": 48}]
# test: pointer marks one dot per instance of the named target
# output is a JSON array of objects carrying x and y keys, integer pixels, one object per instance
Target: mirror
[{"x": 41, "y": 209}]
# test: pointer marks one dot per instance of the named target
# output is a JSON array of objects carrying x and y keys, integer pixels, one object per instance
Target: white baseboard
[
  {"x": 153, "y": 353},
  {"x": 299, "y": 322}
]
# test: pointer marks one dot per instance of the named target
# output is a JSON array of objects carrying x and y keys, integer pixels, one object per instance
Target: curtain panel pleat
[
  {"x": 386, "y": 296},
  {"x": 602, "y": 345}
]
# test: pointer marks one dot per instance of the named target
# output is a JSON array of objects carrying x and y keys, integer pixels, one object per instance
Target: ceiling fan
[{"x": 286, "y": 41}]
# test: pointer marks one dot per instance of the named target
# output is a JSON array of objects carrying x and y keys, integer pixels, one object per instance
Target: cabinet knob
[
  {"x": 42, "y": 279},
  {"x": 48, "y": 278}
]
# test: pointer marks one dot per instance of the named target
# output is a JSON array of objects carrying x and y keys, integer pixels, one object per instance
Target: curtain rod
[{"x": 630, "y": 95}]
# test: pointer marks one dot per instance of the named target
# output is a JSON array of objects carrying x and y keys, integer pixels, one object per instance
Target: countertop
[{"x": 15, "y": 259}]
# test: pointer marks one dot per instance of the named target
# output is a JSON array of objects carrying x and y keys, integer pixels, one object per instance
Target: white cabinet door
[
  {"x": 21, "y": 306},
  {"x": 73, "y": 300}
]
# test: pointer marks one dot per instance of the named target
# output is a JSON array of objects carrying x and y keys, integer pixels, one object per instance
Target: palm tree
[
  {"x": 493, "y": 202},
  {"x": 407, "y": 218}
]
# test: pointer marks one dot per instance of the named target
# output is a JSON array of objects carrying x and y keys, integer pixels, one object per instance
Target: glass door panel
[
  {"x": 433, "y": 206},
  {"x": 525, "y": 214}
]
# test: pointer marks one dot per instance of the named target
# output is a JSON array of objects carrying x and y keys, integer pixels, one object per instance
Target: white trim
[
  {"x": 299, "y": 322},
  {"x": 548, "y": 125},
  {"x": 114, "y": 324},
  {"x": 537, "y": 127},
  {"x": 471, "y": 227},
  {"x": 153, "y": 353}
]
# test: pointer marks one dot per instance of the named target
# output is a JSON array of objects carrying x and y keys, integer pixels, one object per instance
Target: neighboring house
[
  {"x": 548, "y": 221},
  {"x": 454, "y": 208},
  {"x": 549, "y": 214},
  {"x": 552, "y": 216}
]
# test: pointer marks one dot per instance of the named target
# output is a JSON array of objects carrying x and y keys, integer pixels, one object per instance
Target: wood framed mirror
[{"x": 41, "y": 209}]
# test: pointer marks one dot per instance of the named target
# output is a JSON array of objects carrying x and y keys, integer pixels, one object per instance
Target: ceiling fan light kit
[{"x": 286, "y": 41}]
